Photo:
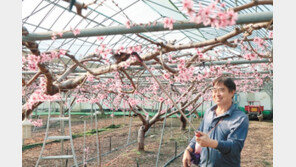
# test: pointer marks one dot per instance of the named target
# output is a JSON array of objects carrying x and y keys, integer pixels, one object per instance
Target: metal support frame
[
  {"x": 73, "y": 156},
  {"x": 114, "y": 30},
  {"x": 236, "y": 62}
]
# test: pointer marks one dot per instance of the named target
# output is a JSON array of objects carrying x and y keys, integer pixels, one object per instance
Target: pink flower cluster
[
  {"x": 90, "y": 78},
  {"x": 167, "y": 76},
  {"x": 54, "y": 35},
  {"x": 75, "y": 31},
  {"x": 270, "y": 35},
  {"x": 133, "y": 101},
  {"x": 210, "y": 15},
  {"x": 128, "y": 24},
  {"x": 259, "y": 42},
  {"x": 39, "y": 96},
  {"x": 33, "y": 60},
  {"x": 37, "y": 123},
  {"x": 199, "y": 53},
  {"x": 168, "y": 23},
  {"x": 160, "y": 99},
  {"x": 81, "y": 99},
  {"x": 250, "y": 56},
  {"x": 185, "y": 74},
  {"x": 100, "y": 38}
]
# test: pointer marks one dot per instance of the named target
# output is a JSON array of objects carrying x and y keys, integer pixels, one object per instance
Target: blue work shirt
[{"x": 230, "y": 133}]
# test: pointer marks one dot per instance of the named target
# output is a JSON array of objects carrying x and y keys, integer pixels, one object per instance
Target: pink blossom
[
  {"x": 270, "y": 34},
  {"x": 76, "y": 31},
  {"x": 60, "y": 34},
  {"x": 128, "y": 24},
  {"x": 259, "y": 42},
  {"x": 37, "y": 123},
  {"x": 211, "y": 15},
  {"x": 90, "y": 78},
  {"x": 170, "y": 57},
  {"x": 100, "y": 38},
  {"x": 168, "y": 23},
  {"x": 232, "y": 17},
  {"x": 53, "y": 36},
  {"x": 199, "y": 53},
  {"x": 187, "y": 4},
  {"x": 212, "y": 6},
  {"x": 54, "y": 55},
  {"x": 62, "y": 52},
  {"x": 166, "y": 76}
]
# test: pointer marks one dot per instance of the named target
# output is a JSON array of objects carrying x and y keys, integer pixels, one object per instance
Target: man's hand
[
  {"x": 205, "y": 141},
  {"x": 186, "y": 159}
]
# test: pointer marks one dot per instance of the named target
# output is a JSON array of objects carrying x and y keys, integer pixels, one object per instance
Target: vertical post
[
  {"x": 189, "y": 127},
  {"x": 80, "y": 106},
  {"x": 202, "y": 108},
  {"x": 91, "y": 117},
  {"x": 171, "y": 129},
  {"x": 62, "y": 128},
  {"x": 176, "y": 148},
  {"x": 97, "y": 141},
  {"x": 100, "y": 155},
  {"x": 110, "y": 143},
  {"x": 137, "y": 162},
  {"x": 129, "y": 131},
  {"x": 161, "y": 137},
  {"x": 112, "y": 117},
  {"x": 84, "y": 148}
]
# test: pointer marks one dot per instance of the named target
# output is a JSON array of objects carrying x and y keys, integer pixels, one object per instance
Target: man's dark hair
[{"x": 228, "y": 82}]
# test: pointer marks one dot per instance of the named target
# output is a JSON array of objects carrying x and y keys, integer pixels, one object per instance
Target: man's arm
[
  {"x": 236, "y": 138},
  {"x": 193, "y": 140}
]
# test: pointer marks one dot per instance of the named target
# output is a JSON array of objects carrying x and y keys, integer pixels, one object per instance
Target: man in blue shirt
[{"x": 223, "y": 130}]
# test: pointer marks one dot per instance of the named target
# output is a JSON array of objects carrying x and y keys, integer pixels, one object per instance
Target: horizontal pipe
[
  {"x": 115, "y": 30},
  {"x": 174, "y": 66},
  {"x": 236, "y": 62}
]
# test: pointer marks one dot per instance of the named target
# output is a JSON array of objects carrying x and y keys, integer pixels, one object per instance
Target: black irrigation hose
[{"x": 171, "y": 160}]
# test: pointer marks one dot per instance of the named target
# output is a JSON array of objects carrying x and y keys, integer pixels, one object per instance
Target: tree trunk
[
  {"x": 141, "y": 138},
  {"x": 184, "y": 123}
]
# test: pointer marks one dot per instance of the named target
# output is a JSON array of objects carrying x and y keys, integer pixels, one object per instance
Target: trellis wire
[
  {"x": 159, "y": 148},
  {"x": 84, "y": 148},
  {"x": 97, "y": 140},
  {"x": 113, "y": 150},
  {"x": 129, "y": 132}
]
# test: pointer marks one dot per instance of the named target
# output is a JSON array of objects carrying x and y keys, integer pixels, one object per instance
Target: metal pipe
[
  {"x": 175, "y": 66},
  {"x": 236, "y": 62},
  {"x": 115, "y": 30}
]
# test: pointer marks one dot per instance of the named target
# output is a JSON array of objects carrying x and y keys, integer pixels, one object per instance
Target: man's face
[{"x": 221, "y": 94}]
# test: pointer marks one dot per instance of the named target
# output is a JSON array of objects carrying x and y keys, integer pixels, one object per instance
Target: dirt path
[{"x": 257, "y": 151}]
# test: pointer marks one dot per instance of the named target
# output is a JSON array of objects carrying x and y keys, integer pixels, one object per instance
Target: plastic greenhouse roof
[{"x": 40, "y": 16}]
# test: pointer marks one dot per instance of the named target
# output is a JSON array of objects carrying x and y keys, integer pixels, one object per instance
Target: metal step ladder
[{"x": 60, "y": 118}]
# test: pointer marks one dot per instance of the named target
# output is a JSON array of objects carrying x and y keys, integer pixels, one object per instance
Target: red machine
[{"x": 254, "y": 109}]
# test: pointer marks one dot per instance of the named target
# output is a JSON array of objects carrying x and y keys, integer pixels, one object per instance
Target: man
[{"x": 223, "y": 145}]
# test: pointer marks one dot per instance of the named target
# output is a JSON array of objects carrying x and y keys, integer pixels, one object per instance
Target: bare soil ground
[{"x": 258, "y": 149}]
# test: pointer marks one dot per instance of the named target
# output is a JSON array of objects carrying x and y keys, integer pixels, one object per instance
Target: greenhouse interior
[{"x": 131, "y": 83}]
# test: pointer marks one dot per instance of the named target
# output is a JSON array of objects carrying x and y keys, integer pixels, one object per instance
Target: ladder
[{"x": 60, "y": 118}]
